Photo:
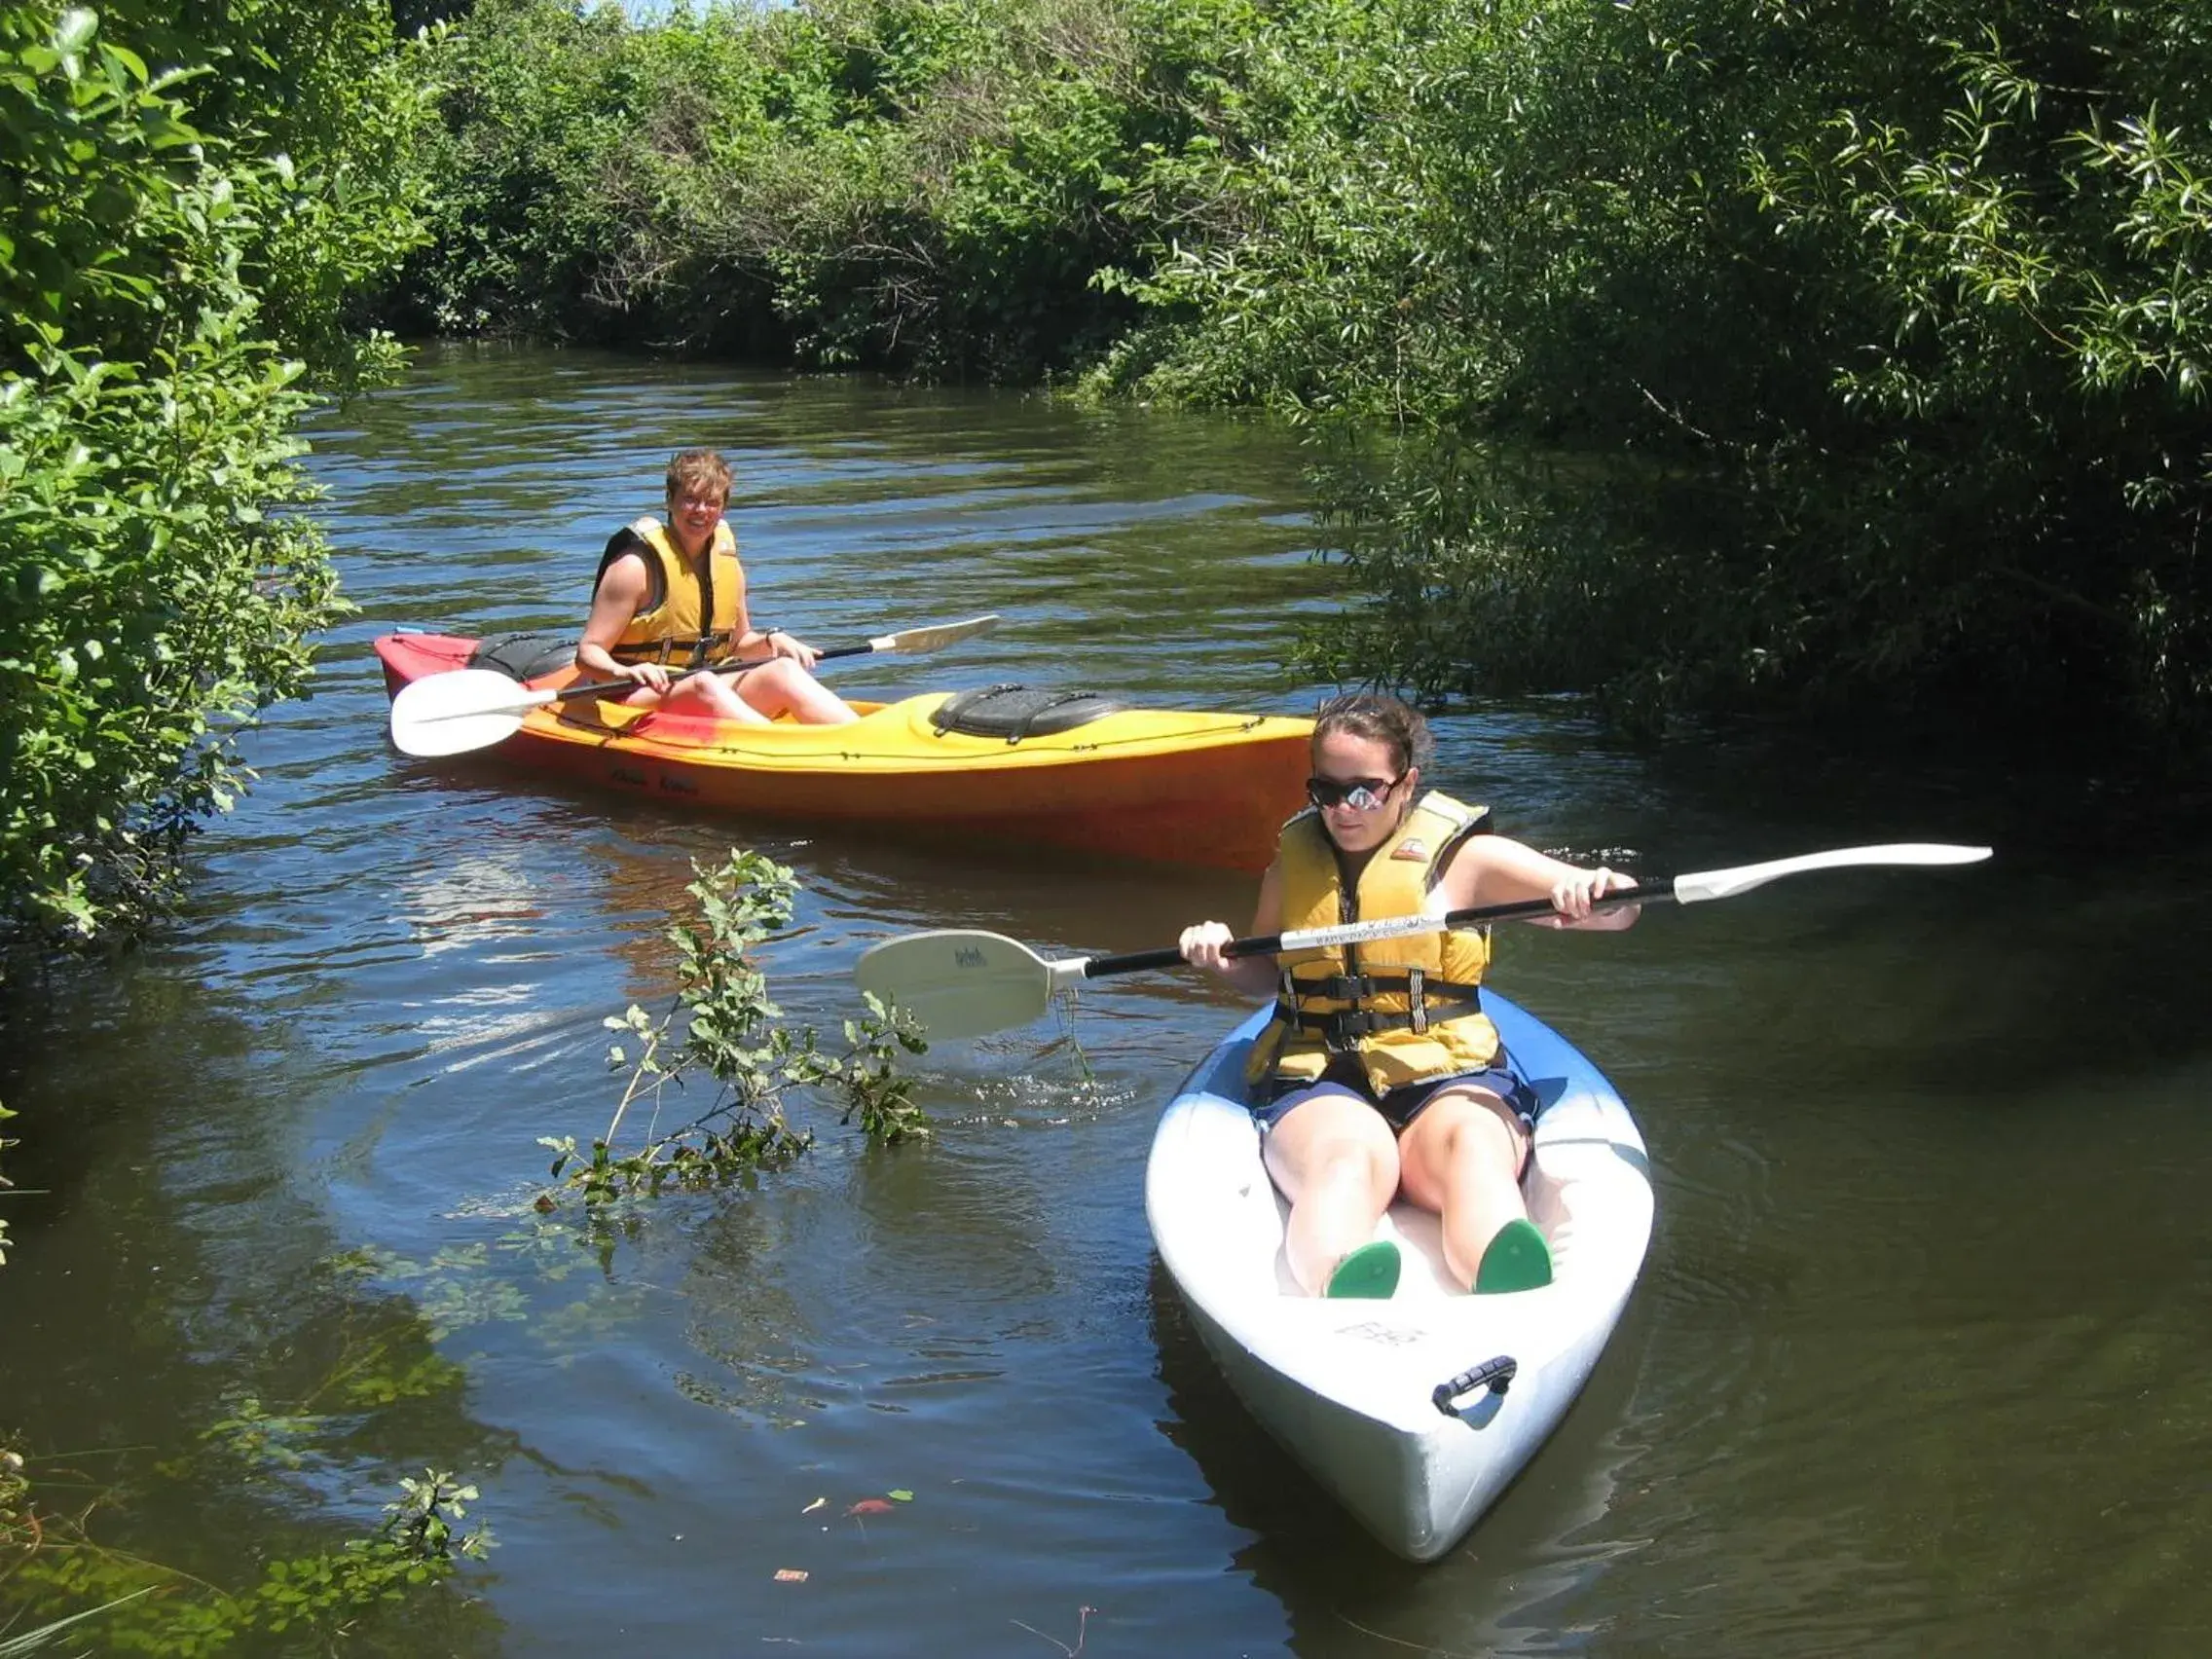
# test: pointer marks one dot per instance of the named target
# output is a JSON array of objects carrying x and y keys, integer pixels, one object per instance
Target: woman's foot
[
  {"x": 1516, "y": 1258},
  {"x": 1371, "y": 1271}
]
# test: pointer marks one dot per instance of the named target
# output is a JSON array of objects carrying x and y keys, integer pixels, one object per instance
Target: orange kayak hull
[{"x": 1184, "y": 786}]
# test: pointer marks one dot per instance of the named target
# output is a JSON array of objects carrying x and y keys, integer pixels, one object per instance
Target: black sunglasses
[{"x": 1361, "y": 795}]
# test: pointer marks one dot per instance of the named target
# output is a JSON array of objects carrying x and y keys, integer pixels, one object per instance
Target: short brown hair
[
  {"x": 1382, "y": 718},
  {"x": 698, "y": 470}
]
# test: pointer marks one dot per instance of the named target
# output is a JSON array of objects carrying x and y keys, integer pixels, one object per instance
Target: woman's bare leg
[
  {"x": 1461, "y": 1157},
  {"x": 700, "y": 694},
  {"x": 1335, "y": 1160},
  {"x": 780, "y": 686}
]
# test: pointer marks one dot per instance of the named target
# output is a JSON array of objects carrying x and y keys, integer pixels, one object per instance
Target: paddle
[
  {"x": 963, "y": 984},
  {"x": 474, "y": 708}
]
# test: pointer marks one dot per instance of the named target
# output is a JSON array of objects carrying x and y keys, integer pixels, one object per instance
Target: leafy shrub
[
  {"x": 1875, "y": 330},
  {"x": 1897, "y": 307},
  {"x": 168, "y": 273}
]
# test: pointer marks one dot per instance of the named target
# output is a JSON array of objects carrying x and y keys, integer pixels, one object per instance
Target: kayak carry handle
[{"x": 1493, "y": 1374}]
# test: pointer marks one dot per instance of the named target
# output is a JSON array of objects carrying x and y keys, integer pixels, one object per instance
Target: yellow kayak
[{"x": 1063, "y": 769}]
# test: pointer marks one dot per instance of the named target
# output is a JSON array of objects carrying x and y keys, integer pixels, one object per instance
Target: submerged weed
[{"x": 723, "y": 1025}]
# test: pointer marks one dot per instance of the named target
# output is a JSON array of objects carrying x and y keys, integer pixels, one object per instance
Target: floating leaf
[
  {"x": 790, "y": 1575},
  {"x": 901, "y": 1494}
]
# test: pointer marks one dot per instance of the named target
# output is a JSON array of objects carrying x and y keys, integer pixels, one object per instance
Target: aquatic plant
[
  {"x": 130, "y": 1605},
  {"x": 723, "y": 1026}
]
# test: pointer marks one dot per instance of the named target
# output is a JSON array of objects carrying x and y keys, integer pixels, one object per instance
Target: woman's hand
[
  {"x": 650, "y": 675},
  {"x": 1200, "y": 946},
  {"x": 783, "y": 645},
  {"x": 1573, "y": 895}
]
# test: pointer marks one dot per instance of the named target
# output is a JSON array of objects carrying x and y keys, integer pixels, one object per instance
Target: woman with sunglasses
[{"x": 1380, "y": 1074}]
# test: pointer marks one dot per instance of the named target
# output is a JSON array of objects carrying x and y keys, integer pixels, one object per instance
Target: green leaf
[
  {"x": 75, "y": 29},
  {"x": 132, "y": 63}
]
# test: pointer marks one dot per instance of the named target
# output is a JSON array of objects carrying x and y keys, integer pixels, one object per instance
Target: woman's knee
[
  {"x": 1352, "y": 1155},
  {"x": 714, "y": 693},
  {"x": 782, "y": 679},
  {"x": 1464, "y": 1135},
  {"x": 1350, "y": 1164},
  {"x": 780, "y": 685}
]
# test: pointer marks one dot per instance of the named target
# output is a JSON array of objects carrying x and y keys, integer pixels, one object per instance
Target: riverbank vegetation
[
  {"x": 195, "y": 203},
  {"x": 1703, "y": 354},
  {"x": 244, "y": 1496}
]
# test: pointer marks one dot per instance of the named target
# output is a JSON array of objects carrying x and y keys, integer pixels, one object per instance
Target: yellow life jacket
[
  {"x": 668, "y": 623},
  {"x": 1404, "y": 1009}
]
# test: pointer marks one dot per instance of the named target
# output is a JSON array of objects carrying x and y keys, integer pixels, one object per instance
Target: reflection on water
[
  {"x": 1918, "y": 1364},
  {"x": 475, "y": 902}
]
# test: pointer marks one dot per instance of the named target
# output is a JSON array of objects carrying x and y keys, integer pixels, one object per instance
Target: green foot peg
[
  {"x": 1516, "y": 1259},
  {"x": 1371, "y": 1271}
]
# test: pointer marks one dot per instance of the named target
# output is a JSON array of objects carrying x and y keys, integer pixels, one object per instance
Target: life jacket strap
[
  {"x": 662, "y": 651},
  {"x": 1340, "y": 1032},
  {"x": 1359, "y": 987}
]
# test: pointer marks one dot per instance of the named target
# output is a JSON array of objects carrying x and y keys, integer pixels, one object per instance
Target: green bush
[
  {"x": 1896, "y": 311},
  {"x": 923, "y": 187},
  {"x": 1868, "y": 338},
  {"x": 183, "y": 223},
  {"x": 189, "y": 211}
]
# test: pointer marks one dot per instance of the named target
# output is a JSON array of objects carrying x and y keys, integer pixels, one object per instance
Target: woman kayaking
[
  {"x": 1379, "y": 1073},
  {"x": 675, "y": 594}
]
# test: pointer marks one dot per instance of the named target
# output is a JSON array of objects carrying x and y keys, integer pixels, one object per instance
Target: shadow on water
[{"x": 197, "y": 1370}]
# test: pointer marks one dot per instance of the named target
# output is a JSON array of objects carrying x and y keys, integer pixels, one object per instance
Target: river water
[{"x": 1921, "y": 1361}]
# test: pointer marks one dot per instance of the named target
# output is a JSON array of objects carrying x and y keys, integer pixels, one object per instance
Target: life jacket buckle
[{"x": 1340, "y": 1032}]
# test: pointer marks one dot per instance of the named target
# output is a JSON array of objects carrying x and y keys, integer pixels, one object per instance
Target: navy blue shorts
[{"x": 1401, "y": 1106}]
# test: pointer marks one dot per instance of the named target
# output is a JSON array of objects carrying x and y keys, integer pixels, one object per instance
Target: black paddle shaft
[
  {"x": 623, "y": 687},
  {"x": 1656, "y": 892}
]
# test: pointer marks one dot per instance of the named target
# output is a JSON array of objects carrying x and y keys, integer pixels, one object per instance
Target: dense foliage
[
  {"x": 1895, "y": 315},
  {"x": 191, "y": 202},
  {"x": 1861, "y": 342},
  {"x": 919, "y": 184}
]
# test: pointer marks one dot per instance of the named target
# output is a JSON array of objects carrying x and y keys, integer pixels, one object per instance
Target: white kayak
[{"x": 1415, "y": 1412}]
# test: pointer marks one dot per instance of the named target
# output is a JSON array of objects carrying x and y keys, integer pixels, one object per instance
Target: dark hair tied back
[{"x": 1378, "y": 716}]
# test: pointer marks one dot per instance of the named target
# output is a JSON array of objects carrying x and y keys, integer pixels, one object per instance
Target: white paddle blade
[
  {"x": 1727, "y": 883},
  {"x": 958, "y": 984},
  {"x": 463, "y": 709},
  {"x": 909, "y": 640}
]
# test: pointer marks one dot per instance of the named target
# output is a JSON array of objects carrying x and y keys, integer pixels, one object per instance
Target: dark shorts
[{"x": 1401, "y": 1106}]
